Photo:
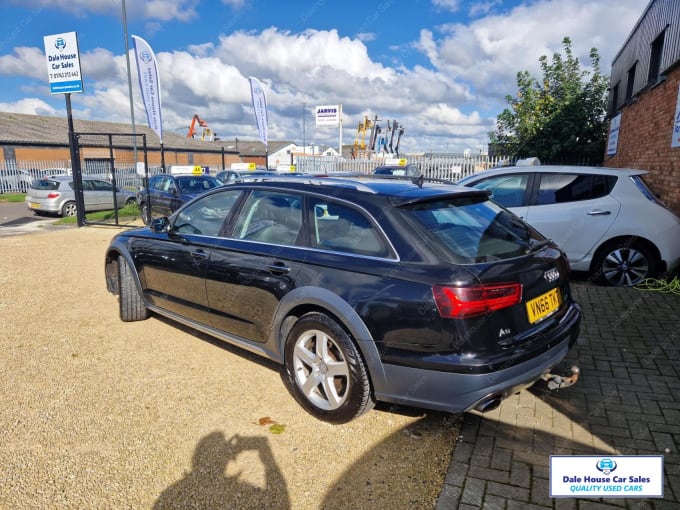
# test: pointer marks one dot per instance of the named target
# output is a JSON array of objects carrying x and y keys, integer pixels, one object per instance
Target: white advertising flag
[
  {"x": 147, "y": 69},
  {"x": 259, "y": 107}
]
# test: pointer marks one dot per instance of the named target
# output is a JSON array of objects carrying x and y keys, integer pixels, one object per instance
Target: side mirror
[{"x": 159, "y": 225}]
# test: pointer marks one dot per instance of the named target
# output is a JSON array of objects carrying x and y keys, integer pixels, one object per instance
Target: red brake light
[
  {"x": 466, "y": 302},
  {"x": 54, "y": 194}
]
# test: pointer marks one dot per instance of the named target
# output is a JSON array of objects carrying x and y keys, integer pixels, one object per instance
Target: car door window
[
  {"x": 507, "y": 190},
  {"x": 338, "y": 227},
  {"x": 560, "y": 188},
  {"x": 272, "y": 217},
  {"x": 102, "y": 186},
  {"x": 207, "y": 215},
  {"x": 162, "y": 184}
]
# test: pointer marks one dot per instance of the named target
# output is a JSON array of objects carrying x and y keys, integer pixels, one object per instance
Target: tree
[{"x": 561, "y": 119}]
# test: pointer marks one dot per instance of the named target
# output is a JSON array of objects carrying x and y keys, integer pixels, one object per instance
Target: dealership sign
[
  {"x": 589, "y": 476},
  {"x": 328, "y": 116},
  {"x": 613, "y": 142},
  {"x": 676, "y": 124},
  {"x": 63, "y": 63}
]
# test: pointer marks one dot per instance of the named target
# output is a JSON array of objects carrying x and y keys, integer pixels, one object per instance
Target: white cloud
[
  {"x": 183, "y": 10},
  {"x": 29, "y": 62},
  {"x": 447, "y": 5},
  {"x": 490, "y": 51},
  {"x": 449, "y": 101},
  {"x": 30, "y": 106}
]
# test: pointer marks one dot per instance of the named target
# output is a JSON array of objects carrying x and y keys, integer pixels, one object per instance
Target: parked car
[
  {"x": 230, "y": 176},
  {"x": 607, "y": 220},
  {"x": 364, "y": 289},
  {"x": 19, "y": 180},
  {"x": 400, "y": 170},
  {"x": 167, "y": 192},
  {"x": 56, "y": 195}
]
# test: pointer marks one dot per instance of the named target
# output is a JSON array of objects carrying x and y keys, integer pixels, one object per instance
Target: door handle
[
  {"x": 199, "y": 254},
  {"x": 597, "y": 212},
  {"x": 278, "y": 268}
]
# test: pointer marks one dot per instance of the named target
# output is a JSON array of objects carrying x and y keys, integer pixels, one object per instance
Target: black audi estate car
[{"x": 364, "y": 289}]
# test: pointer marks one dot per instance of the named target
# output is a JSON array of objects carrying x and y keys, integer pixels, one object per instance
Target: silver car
[{"x": 56, "y": 195}]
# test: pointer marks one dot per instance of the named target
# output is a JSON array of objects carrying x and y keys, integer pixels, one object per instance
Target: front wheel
[
  {"x": 131, "y": 301},
  {"x": 145, "y": 212},
  {"x": 625, "y": 264},
  {"x": 324, "y": 370}
]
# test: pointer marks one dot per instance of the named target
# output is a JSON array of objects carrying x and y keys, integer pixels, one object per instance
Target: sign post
[
  {"x": 330, "y": 116},
  {"x": 63, "y": 71}
]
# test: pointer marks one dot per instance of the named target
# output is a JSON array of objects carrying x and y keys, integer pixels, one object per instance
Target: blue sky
[{"x": 441, "y": 68}]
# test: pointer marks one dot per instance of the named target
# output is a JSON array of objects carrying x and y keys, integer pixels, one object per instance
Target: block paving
[{"x": 627, "y": 402}]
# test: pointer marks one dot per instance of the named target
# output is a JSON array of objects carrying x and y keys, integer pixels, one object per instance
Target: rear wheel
[
  {"x": 132, "y": 307},
  {"x": 69, "y": 209},
  {"x": 625, "y": 264},
  {"x": 325, "y": 372}
]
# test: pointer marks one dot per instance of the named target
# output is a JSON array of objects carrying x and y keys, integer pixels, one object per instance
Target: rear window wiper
[{"x": 535, "y": 245}]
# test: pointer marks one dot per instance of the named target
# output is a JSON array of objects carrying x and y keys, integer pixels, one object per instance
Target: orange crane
[{"x": 206, "y": 134}]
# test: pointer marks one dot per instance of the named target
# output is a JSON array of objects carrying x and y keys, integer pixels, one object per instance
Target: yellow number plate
[
  {"x": 544, "y": 305},
  {"x": 33, "y": 205}
]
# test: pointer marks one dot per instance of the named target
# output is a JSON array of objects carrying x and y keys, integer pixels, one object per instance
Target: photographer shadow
[{"x": 217, "y": 478}]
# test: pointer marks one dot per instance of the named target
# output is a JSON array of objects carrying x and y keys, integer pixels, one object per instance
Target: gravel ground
[{"x": 100, "y": 414}]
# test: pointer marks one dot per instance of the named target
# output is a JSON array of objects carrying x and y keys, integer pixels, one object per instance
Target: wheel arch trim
[
  {"x": 324, "y": 300},
  {"x": 115, "y": 252}
]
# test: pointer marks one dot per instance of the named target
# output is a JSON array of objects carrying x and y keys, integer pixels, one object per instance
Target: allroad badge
[{"x": 551, "y": 275}]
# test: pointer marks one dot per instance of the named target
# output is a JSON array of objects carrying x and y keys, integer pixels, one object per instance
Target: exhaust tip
[{"x": 489, "y": 403}]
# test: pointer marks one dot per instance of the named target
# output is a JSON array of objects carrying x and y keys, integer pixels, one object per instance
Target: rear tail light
[
  {"x": 53, "y": 195},
  {"x": 466, "y": 302}
]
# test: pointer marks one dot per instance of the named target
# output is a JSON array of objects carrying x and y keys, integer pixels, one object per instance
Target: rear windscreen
[
  {"x": 472, "y": 230},
  {"x": 45, "y": 185}
]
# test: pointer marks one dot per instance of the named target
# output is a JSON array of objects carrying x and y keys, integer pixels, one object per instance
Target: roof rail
[
  {"x": 317, "y": 180},
  {"x": 418, "y": 180}
]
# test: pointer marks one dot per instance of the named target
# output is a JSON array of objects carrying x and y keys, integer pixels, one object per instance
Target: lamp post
[{"x": 129, "y": 76}]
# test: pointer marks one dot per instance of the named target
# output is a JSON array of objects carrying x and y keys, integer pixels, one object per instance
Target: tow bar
[{"x": 556, "y": 382}]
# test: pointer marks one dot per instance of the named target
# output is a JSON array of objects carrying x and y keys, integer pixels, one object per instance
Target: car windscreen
[
  {"x": 45, "y": 184},
  {"x": 197, "y": 185},
  {"x": 472, "y": 229}
]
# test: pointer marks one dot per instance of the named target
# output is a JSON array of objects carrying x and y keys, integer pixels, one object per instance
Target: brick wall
[{"x": 645, "y": 139}]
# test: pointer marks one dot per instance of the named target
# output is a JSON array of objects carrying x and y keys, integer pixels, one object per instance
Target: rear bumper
[
  {"x": 459, "y": 392},
  {"x": 48, "y": 208}
]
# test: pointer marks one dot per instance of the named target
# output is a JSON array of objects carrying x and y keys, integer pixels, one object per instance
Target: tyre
[
  {"x": 69, "y": 209},
  {"x": 130, "y": 201},
  {"x": 625, "y": 264},
  {"x": 132, "y": 307},
  {"x": 325, "y": 372},
  {"x": 144, "y": 210}
]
